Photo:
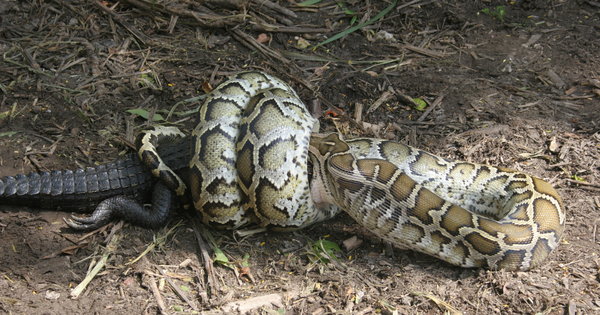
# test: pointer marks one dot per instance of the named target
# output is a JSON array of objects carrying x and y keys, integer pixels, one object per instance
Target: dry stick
[
  {"x": 406, "y": 99},
  {"x": 251, "y": 43},
  {"x": 203, "y": 19},
  {"x": 200, "y": 284},
  {"x": 110, "y": 248},
  {"x": 278, "y": 18},
  {"x": 32, "y": 63},
  {"x": 440, "y": 303},
  {"x": 219, "y": 21},
  {"x": 208, "y": 262},
  {"x": 597, "y": 202},
  {"x": 253, "y": 303},
  {"x": 424, "y": 51},
  {"x": 134, "y": 31},
  {"x": 178, "y": 291},
  {"x": 583, "y": 183},
  {"x": 230, "y": 4},
  {"x": 157, "y": 296},
  {"x": 385, "y": 96},
  {"x": 437, "y": 102},
  {"x": 262, "y": 26},
  {"x": 276, "y": 7}
]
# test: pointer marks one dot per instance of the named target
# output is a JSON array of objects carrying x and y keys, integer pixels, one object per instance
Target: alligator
[{"x": 112, "y": 190}]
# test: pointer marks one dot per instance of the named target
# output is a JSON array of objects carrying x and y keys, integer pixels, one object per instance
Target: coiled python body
[
  {"x": 250, "y": 159},
  {"x": 250, "y": 164},
  {"x": 467, "y": 214}
]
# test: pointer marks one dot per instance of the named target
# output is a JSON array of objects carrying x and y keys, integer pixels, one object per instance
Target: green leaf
[
  {"x": 220, "y": 258},
  {"x": 8, "y": 133},
  {"x": 498, "y": 12},
  {"x": 4, "y": 114},
  {"x": 177, "y": 308},
  {"x": 308, "y": 2},
  {"x": 185, "y": 288},
  {"x": 245, "y": 260},
  {"x": 421, "y": 104},
  {"x": 347, "y": 11},
  {"x": 578, "y": 178},
  {"x": 359, "y": 26},
  {"x": 325, "y": 249},
  {"x": 146, "y": 80},
  {"x": 145, "y": 114}
]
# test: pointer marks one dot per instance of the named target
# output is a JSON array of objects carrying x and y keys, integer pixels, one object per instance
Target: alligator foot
[{"x": 129, "y": 210}]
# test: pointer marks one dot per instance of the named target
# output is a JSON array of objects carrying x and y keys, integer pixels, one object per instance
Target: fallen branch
[
  {"x": 208, "y": 262},
  {"x": 251, "y": 43},
  {"x": 117, "y": 18},
  {"x": 435, "y": 104},
  {"x": 182, "y": 295},
  {"x": 245, "y": 306},
  {"x": 209, "y": 20},
  {"x": 276, "y": 7}
]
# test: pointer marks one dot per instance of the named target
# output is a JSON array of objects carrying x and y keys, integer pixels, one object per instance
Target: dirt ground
[{"x": 518, "y": 87}]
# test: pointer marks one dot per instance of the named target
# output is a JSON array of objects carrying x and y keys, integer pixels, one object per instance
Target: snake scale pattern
[{"x": 255, "y": 157}]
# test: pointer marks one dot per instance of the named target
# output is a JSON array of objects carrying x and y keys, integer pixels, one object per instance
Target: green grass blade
[
  {"x": 145, "y": 114},
  {"x": 359, "y": 26},
  {"x": 308, "y": 2}
]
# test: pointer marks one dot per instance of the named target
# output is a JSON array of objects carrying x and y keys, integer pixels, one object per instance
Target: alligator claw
[
  {"x": 128, "y": 209},
  {"x": 86, "y": 223},
  {"x": 100, "y": 217},
  {"x": 83, "y": 223}
]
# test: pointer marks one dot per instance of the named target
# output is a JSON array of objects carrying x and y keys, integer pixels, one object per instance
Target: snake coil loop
[{"x": 250, "y": 163}]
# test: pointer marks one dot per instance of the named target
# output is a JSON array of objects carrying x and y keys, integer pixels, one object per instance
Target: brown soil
[{"x": 521, "y": 92}]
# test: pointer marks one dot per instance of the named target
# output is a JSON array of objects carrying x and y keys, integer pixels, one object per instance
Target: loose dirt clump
[{"x": 513, "y": 84}]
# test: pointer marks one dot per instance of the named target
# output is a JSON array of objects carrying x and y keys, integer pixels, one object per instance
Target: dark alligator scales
[{"x": 117, "y": 187}]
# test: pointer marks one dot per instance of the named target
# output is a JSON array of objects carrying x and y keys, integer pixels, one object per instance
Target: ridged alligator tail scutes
[{"x": 113, "y": 190}]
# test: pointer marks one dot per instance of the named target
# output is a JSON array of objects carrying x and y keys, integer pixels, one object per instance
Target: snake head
[{"x": 321, "y": 148}]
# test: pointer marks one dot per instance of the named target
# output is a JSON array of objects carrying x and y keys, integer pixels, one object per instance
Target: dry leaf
[
  {"x": 263, "y": 38},
  {"x": 553, "y": 146},
  {"x": 352, "y": 243},
  {"x": 206, "y": 87}
]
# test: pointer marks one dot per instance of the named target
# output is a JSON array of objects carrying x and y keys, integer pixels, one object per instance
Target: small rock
[{"x": 52, "y": 295}]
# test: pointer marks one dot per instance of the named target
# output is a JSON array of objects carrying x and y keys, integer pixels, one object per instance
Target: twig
[
  {"x": 178, "y": 291},
  {"x": 202, "y": 19},
  {"x": 424, "y": 51},
  {"x": 208, "y": 262},
  {"x": 385, "y": 96},
  {"x": 32, "y": 63},
  {"x": 110, "y": 248},
  {"x": 266, "y": 27},
  {"x": 251, "y": 43},
  {"x": 245, "y": 306},
  {"x": 441, "y": 303},
  {"x": 159, "y": 239},
  {"x": 578, "y": 182},
  {"x": 134, "y": 31},
  {"x": 276, "y": 7},
  {"x": 157, "y": 296},
  {"x": 8, "y": 60},
  {"x": 597, "y": 202},
  {"x": 437, "y": 102}
]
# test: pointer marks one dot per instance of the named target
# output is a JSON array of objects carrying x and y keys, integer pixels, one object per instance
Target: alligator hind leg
[{"x": 129, "y": 210}]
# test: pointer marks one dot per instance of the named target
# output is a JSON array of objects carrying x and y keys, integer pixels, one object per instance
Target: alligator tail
[{"x": 81, "y": 189}]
